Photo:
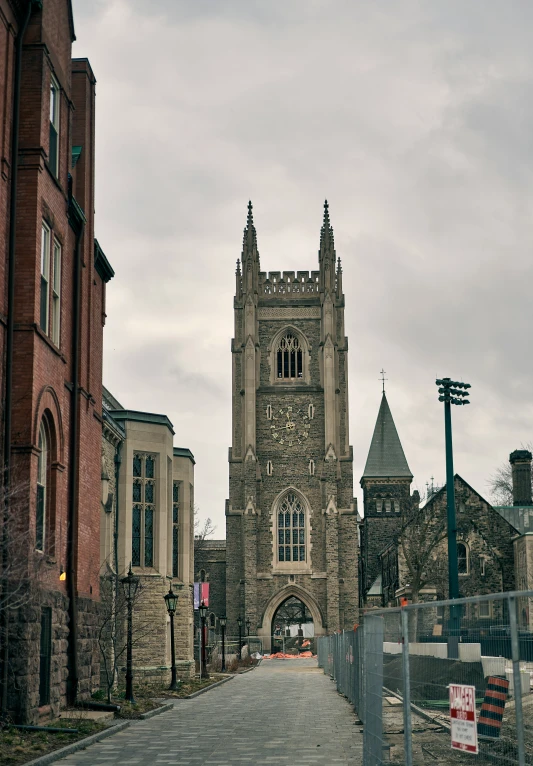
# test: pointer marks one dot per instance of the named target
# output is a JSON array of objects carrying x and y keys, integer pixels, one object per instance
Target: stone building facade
[
  {"x": 210, "y": 567},
  {"x": 147, "y": 520},
  {"x": 291, "y": 518},
  {"x": 485, "y": 554},
  {"x": 520, "y": 517},
  {"x": 53, "y": 279}
]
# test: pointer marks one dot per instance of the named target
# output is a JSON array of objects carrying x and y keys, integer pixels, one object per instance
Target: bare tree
[
  {"x": 421, "y": 535},
  {"x": 112, "y": 634},
  {"x": 202, "y": 529},
  {"x": 501, "y": 482}
]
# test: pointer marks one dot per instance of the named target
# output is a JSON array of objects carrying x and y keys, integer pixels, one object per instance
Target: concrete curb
[
  {"x": 208, "y": 688},
  {"x": 155, "y": 711},
  {"x": 81, "y": 744}
]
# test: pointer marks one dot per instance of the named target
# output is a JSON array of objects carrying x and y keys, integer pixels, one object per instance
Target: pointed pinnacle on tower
[
  {"x": 250, "y": 236},
  {"x": 326, "y": 232},
  {"x": 238, "y": 271}
]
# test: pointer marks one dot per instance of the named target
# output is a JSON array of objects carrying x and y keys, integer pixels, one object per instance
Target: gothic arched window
[
  {"x": 462, "y": 558},
  {"x": 289, "y": 357},
  {"x": 291, "y": 529}
]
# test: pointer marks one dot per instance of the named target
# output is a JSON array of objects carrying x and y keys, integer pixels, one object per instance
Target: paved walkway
[{"x": 283, "y": 713}]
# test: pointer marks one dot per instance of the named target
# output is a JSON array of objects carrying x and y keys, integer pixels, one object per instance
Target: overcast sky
[{"x": 414, "y": 119}]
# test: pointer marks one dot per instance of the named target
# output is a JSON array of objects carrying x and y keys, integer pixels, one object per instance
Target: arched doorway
[
  {"x": 292, "y": 623},
  {"x": 290, "y": 606}
]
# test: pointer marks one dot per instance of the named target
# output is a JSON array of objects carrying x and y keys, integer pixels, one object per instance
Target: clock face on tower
[{"x": 290, "y": 426}]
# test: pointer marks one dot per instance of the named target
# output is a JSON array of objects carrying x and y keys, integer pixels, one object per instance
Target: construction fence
[{"x": 427, "y": 675}]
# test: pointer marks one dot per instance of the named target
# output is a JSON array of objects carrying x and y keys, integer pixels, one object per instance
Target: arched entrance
[{"x": 293, "y": 596}]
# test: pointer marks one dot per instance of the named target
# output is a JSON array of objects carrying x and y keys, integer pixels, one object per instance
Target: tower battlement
[{"x": 289, "y": 283}]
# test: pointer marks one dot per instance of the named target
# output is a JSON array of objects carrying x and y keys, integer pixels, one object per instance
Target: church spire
[{"x": 386, "y": 458}]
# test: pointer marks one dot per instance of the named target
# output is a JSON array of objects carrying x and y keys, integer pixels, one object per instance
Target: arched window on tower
[
  {"x": 289, "y": 357},
  {"x": 291, "y": 529}
]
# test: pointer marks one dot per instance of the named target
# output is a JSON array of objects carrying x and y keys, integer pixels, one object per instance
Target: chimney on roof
[{"x": 520, "y": 461}]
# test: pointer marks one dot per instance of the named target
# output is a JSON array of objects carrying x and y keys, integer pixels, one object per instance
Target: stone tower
[
  {"x": 291, "y": 518},
  {"x": 386, "y": 483}
]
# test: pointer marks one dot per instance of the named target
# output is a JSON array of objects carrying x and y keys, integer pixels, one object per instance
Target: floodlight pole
[
  {"x": 451, "y": 392},
  {"x": 453, "y": 574}
]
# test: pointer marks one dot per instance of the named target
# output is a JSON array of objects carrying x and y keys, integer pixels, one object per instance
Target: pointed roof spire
[
  {"x": 238, "y": 270},
  {"x": 250, "y": 236},
  {"x": 326, "y": 232},
  {"x": 386, "y": 457}
]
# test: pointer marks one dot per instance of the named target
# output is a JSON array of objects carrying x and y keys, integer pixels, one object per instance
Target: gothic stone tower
[
  {"x": 386, "y": 483},
  {"x": 291, "y": 518}
]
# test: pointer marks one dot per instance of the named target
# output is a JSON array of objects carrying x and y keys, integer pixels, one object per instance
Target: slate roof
[
  {"x": 386, "y": 457},
  {"x": 519, "y": 516}
]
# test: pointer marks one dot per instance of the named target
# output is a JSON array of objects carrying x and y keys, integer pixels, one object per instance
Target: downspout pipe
[
  {"x": 77, "y": 221},
  {"x": 10, "y": 331}
]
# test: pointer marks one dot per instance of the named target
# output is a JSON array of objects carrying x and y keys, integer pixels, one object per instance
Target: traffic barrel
[{"x": 491, "y": 715}]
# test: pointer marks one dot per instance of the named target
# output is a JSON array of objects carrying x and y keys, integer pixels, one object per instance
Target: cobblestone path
[{"x": 284, "y": 713}]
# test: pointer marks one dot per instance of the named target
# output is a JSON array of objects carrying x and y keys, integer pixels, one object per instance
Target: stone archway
[{"x": 264, "y": 631}]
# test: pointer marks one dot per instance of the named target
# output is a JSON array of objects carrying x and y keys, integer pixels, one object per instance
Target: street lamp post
[
  {"x": 239, "y": 623},
  {"x": 171, "y": 601},
  {"x": 248, "y": 626},
  {"x": 130, "y": 583},
  {"x": 223, "y": 621},
  {"x": 452, "y": 392},
  {"x": 203, "y": 614}
]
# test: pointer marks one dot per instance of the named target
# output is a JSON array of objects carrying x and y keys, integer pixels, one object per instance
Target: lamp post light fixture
[
  {"x": 223, "y": 622},
  {"x": 171, "y": 601},
  {"x": 202, "y": 609},
  {"x": 452, "y": 392},
  {"x": 239, "y": 623},
  {"x": 130, "y": 583}
]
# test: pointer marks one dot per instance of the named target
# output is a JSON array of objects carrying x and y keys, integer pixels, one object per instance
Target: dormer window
[{"x": 289, "y": 358}]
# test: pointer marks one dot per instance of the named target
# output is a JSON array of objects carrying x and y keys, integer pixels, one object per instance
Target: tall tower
[
  {"x": 386, "y": 484},
  {"x": 291, "y": 518}
]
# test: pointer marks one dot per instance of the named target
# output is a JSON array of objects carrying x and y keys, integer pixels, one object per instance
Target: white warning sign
[{"x": 463, "y": 718}]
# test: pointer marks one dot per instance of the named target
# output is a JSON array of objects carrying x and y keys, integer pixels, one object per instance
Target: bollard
[{"x": 492, "y": 709}]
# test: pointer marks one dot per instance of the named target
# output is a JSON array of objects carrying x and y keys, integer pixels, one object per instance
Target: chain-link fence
[{"x": 427, "y": 675}]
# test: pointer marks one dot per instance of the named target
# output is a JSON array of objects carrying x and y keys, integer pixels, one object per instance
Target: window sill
[{"x": 49, "y": 341}]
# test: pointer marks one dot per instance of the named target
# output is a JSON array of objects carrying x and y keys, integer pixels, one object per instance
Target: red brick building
[{"x": 53, "y": 278}]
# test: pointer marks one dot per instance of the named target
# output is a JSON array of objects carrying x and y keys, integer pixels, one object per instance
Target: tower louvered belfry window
[
  {"x": 291, "y": 529},
  {"x": 289, "y": 357}
]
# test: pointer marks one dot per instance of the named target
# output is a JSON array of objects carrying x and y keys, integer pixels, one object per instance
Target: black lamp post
[
  {"x": 248, "y": 626},
  {"x": 202, "y": 609},
  {"x": 171, "y": 601},
  {"x": 239, "y": 623},
  {"x": 452, "y": 392},
  {"x": 130, "y": 583},
  {"x": 223, "y": 620}
]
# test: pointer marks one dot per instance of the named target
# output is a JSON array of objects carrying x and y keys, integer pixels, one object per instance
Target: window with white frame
[
  {"x": 143, "y": 511},
  {"x": 482, "y": 566},
  {"x": 42, "y": 483},
  {"x": 44, "y": 317},
  {"x": 379, "y": 505},
  {"x": 484, "y": 609},
  {"x": 53, "y": 153},
  {"x": 56, "y": 294},
  {"x": 462, "y": 558},
  {"x": 291, "y": 529}
]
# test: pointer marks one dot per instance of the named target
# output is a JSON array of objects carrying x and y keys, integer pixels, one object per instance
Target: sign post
[{"x": 463, "y": 718}]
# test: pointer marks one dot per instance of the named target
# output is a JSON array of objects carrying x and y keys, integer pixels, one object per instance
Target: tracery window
[
  {"x": 142, "y": 542},
  {"x": 175, "y": 527},
  {"x": 289, "y": 357},
  {"x": 42, "y": 481},
  {"x": 291, "y": 529}
]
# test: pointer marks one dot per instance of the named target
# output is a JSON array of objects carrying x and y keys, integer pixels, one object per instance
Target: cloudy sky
[{"x": 414, "y": 119}]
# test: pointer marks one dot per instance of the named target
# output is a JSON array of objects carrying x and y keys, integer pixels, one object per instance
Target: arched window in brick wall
[{"x": 46, "y": 486}]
